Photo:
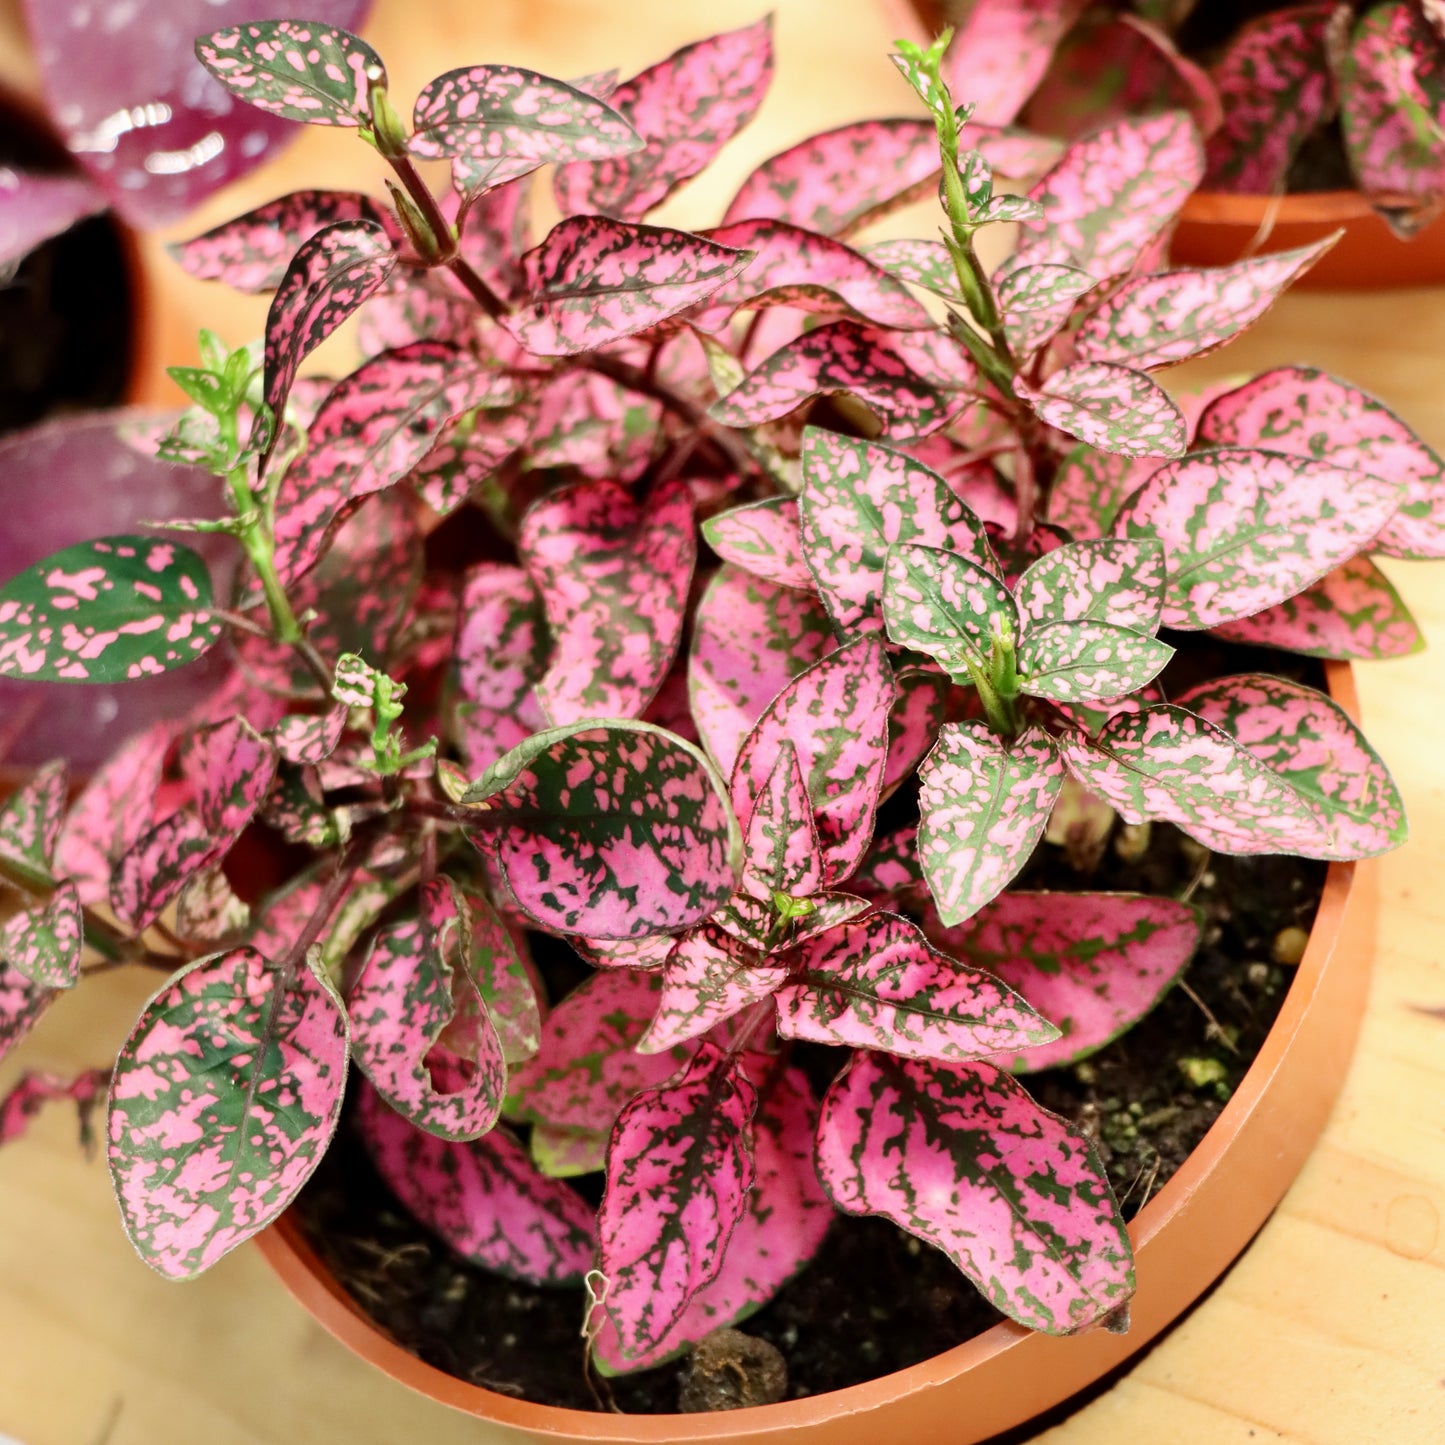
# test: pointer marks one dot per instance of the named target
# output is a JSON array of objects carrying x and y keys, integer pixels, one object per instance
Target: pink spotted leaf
[
  {"x": 22, "y": 1004},
  {"x": 782, "y": 852},
  {"x": 679, "y": 1171},
  {"x": 106, "y": 611},
  {"x": 499, "y": 967},
  {"x": 594, "y": 280},
  {"x": 920, "y": 708},
  {"x": 808, "y": 272},
  {"x": 842, "y": 357},
  {"x": 333, "y": 271},
  {"x": 709, "y": 977},
  {"x": 1091, "y": 963},
  {"x": 1351, "y": 612},
  {"x": 1001, "y": 51},
  {"x": 484, "y": 1197},
  {"x": 467, "y": 453},
  {"x": 854, "y": 687},
  {"x": 1167, "y": 762},
  {"x": 942, "y": 604},
  {"x": 1111, "y": 193},
  {"x": 613, "y": 575},
  {"x": 1308, "y": 740},
  {"x": 782, "y": 1228},
  {"x": 1156, "y": 321},
  {"x": 497, "y": 123},
  {"x": 587, "y": 1067},
  {"x": 224, "y": 1098},
  {"x": 1274, "y": 84},
  {"x": 1114, "y": 580},
  {"x": 1243, "y": 530},
  {"x": 30, "y": 820},
  {"x": 961, "y": 1157},
  {"x": 1037, "y": 300},
  {"x": 983, "y": 806},
  {"x": 1090, "y": 486},
  {"x": 650, "y": 952},
  {"x": 415, "y": 993},
  {"x": 34, "y": 1089},
  {"x": 1112, "y": 407},
  {"x": 750, "y": 639},
  {"x": 1309, "y": 413},
  {"x": 309, "y": 738},
  {"x": 926, "y": 264},
  {"x": 878, "y": 983},
  {"x": 858, "y": 500},
  {"x": 43, "y": 943},
  {"x": 1074, "y": 662},
  {"x": 608, "y": 830},
  {"x": 763, "y": 538},
  {"x": 685, "y": 108},
  {"x": 252, "y": 252},
  {"x": 295, "y": 69},
  {"x": 208, "y": 910}
]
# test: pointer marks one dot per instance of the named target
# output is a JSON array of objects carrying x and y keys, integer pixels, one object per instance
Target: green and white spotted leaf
[
  {"x": 44, "y": 943},
  {"x": 1113, "y": 579}
]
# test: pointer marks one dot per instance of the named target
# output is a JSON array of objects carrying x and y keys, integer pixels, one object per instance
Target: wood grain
[{"x": 1330, "y": 1331}]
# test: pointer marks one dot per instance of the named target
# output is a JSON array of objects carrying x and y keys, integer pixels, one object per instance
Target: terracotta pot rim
[
  {"x": 291, "y": 1256},
  {"x": 1304, "y": 208}
]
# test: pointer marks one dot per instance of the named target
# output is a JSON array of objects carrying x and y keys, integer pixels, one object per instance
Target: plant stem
[{"x": 261, "y": 553}]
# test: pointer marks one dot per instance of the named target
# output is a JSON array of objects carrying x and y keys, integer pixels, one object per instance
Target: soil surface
[{"x": 874, "y": 1300}]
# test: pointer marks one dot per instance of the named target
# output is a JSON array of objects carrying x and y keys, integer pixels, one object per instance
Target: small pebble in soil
[
  {"x": 730, "y": 1370},
  {"x": 1289, "y": 945}
]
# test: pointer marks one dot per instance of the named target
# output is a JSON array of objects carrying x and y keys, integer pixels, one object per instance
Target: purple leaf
[
  {"x": 43, "y": 943},
  {"x": 1072, "y": 662},
  {"x": 105, "y": 821},
  {"x": 1090, "y": 486},
  {"x": 499, "y": 657},
  {"x": 35, "y": 206},
  {"x": 709, "y": 977},
  {"x": 877, "y": 983},
  {"x": 252, "y": 252},
  {"x": 782, "y": 852},
  {"x": 232, "y": 770},
  {"x": 1309, "y": 413},
  {"x": 153, "y": 129},
  {"x": 982, "y": 808},
  {"x": 499, "y": 122},
  {"x": 1155, "y": 321},
  {"x": 30, "y": 820},
  {"x": 1353, "y": 611},
  {"x": 33, "y": 1090},
  {"x": 808, "y": 272},
  {"x": 841, "y": 357},
  {"x": 484, "y": 1198},
  {"x": 587, "y": 1067},
  {"x": 685, "y": 108},
  {"x": 1274, "y": 85},
  {"x": 679, "y": 1170},
  {"x": 1001, "y": 51},
  {"x": 1390, "y": 77},
  {"x": 309, "y": 739},
  {"x": 1243, "y": 530},
  {"x": 1037, "y": 300},
  {"x": 1111, "y": 580},
  {"x": 295, "y": 69},
  {"x": 962, "y": 1158},
  {"x": 763, "y": 538},
  {"x": 1114, "y": 408},
  {"x": 849, "y": 690},
  {"x": 331, "y": 274},
  {"x": 750, "y": 639},
  {"x": 858, "y": 500},
  {"x": 1166, "y": 762},
  {"x": 500, "y": 969},
  {"x": 1308, "y": 740},
  {"x": 416, "y": 992},
  {"x": 107, "y": 611},
  {"x": 1111, "y": 194},
  {"x": 837, "y": 182},
  {"x": 782, "y": 1228},
  {"x": 224, "y": 1099},
  {"x": 613, "y": 575},
  {"x": 1092, "y": 963},
  {"x": 940, "y": 603},
  {"x": 22, "y": 1004},
  {"x": 595, "y": 280},
  {"x": 611, "y": 830}
]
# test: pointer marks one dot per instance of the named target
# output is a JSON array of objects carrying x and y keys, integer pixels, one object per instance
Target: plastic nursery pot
[
  {"x": 1185, "y": 1238},
  {"x": 1216, "y": 229}
]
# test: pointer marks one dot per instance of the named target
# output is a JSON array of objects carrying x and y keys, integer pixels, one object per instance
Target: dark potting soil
[{"x": 874, "y": 1300}]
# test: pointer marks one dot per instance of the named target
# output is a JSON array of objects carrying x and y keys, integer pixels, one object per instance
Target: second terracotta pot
[{"x": 1185, "y": 1238}]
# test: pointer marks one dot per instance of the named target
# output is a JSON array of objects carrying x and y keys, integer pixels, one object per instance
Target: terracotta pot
[{"x": 1185, "y": 1238}]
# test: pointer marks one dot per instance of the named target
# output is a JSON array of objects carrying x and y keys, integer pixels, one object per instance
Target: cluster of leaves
[
  {"x": 1278, "y": 86},
  {"x": 768, "y": 526}
]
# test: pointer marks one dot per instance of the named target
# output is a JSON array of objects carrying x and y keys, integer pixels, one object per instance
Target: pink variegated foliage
[{"x": 623, "y": 591}]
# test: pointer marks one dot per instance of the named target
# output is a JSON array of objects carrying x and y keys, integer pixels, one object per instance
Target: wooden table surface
[{"x": 1331, "y": 1329}]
